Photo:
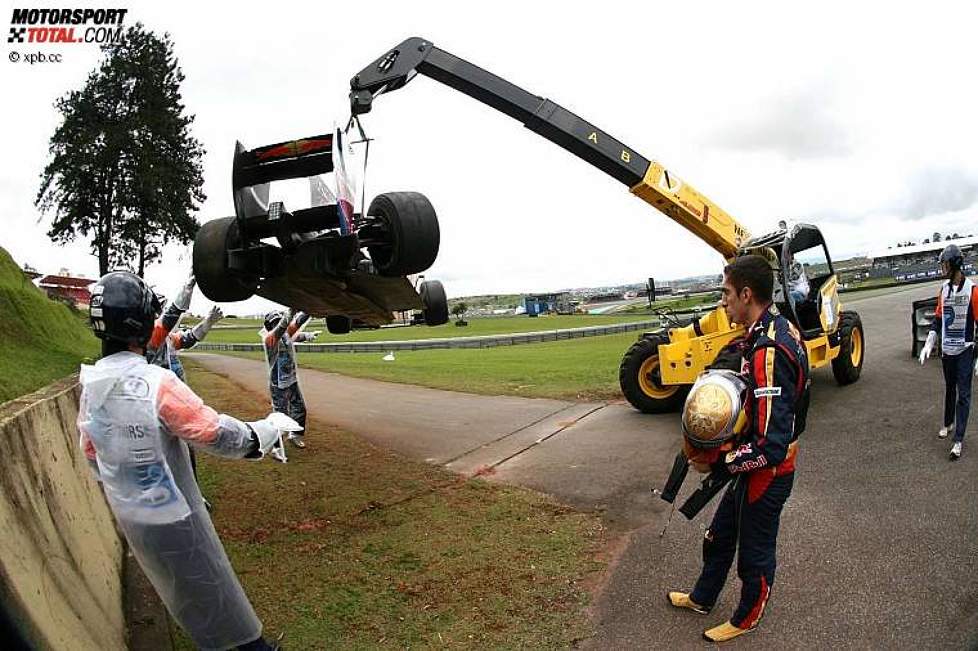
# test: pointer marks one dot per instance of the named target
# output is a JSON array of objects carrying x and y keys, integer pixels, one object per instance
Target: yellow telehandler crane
[{"x": 656, "y": 371}]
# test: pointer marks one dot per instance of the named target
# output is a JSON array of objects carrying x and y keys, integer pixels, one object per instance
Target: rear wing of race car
[
  {"x": 921, "y": 317},
  {"x": 283, "y": 160},
  {"x": 254, "y": 169}
]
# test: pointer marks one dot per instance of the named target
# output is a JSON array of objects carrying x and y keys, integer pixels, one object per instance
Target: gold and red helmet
[{"x": 714, "y": 409}]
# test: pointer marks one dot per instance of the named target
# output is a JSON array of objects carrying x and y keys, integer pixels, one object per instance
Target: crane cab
[{"x": 658, "y": 369}]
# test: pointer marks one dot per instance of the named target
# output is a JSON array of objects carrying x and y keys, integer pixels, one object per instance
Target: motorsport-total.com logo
[{"x": 67, "y": 26}]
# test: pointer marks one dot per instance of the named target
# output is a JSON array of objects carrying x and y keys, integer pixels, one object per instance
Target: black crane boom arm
[
  {"x": 555, "y": 123},
  {"x": 647, "y": 179}
]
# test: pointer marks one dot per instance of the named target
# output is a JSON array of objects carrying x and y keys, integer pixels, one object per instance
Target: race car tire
[
  {"x": 435, "y": 302},
  {"x": 412, "y": 234},
  {"x": 210, "y": 262},
  {"x": 338, "y": 324}
]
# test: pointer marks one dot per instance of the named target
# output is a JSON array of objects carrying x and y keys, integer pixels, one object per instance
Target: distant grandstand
[{"x": 919, "y": 261}]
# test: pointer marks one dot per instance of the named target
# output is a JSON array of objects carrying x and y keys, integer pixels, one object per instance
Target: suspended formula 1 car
[{"x": 326, "y": 260}]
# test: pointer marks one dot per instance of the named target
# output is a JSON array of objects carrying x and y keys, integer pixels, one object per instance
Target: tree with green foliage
[
  {"x": 459, "y": 310},
  {"x": 124, "y": 168}
]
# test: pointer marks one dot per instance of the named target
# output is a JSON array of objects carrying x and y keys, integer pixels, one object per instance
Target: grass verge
[
  {"x": 576, "y": 369},
  {"x": 477, "y": 327},
  {"x": 40, "y": 340},
  {"x": 349, "y": 546},
  {"x": 883, "y": 290},
  {"x": 672, "y": 303}
]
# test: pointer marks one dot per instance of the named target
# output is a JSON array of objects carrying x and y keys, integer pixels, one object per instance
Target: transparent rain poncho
[{"x": 135, "y": 421}]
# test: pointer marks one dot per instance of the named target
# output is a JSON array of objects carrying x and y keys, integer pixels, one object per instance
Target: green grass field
[
  {"x": 680, "y": 303},
  {"x": 874, "y": 282},
  {"x": 40, "y": 340},
  {"x": 476, "y": 328},
  {"x": 349, "y": 546},
  {"x": 578, "y": 369},
  {"x": 880, "y": 290}
]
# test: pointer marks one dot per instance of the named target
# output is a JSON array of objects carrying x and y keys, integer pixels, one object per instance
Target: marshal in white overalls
[{"x": 135, "y": 421}]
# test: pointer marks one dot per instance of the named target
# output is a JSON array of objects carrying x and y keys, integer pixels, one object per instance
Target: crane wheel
[
  {"x": 852, "y": 349},
  {"x": 640, "y": 381}
]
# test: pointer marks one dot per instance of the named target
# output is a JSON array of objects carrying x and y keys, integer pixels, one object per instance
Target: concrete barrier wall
[{"x": 60, "y": 555}]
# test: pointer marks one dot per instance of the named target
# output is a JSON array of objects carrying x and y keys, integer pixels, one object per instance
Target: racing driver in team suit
[{"x": 762, "y": 461}]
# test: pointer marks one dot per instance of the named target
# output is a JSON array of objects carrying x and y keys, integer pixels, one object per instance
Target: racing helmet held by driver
[{"x": 714, "y": 409}]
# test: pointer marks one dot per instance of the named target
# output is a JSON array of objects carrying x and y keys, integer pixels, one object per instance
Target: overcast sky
[{"x": 863, "y": 121}]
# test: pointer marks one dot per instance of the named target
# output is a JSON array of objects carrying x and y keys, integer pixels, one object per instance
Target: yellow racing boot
[
  {"x": 682, "y": 600},
  {"x": 724, "y": 632}
]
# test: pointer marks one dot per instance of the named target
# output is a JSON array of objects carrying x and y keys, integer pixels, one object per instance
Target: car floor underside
[{"x": 363, "y": 296}]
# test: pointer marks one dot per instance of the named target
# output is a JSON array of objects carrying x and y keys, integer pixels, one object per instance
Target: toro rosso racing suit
[{"x": 762, "y": 463}]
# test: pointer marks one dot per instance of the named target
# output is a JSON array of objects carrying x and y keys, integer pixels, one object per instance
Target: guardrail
[{"x": 485, "y": 341}]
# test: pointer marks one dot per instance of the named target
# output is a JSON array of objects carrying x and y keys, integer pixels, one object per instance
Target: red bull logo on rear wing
[{"x": 283, "y": 160}]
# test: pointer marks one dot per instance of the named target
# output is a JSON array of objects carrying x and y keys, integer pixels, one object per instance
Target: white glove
[
  {"x": 310, "y": 336},
  {"x": 201, "y": 329},
  {"x": 269, "y": 431},
  {"x": 928, "y": 346},
  {"x": 182, "y": 300},
  {"x": 282, "y": 422}
]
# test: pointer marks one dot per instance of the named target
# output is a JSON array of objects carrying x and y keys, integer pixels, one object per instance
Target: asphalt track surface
[{"x": 878, "y": 539}]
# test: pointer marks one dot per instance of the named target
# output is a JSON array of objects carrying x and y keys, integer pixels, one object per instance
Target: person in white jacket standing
[
  {"x": 135, "y": 422},
  {"x": 955, "y": 319}
]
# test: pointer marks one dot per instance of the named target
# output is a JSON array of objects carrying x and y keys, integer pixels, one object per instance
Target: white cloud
[
  {"x": 862, "y": 118},
  {"x": 796, "y": 125},
  {"x": 935, "y": 191}
]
